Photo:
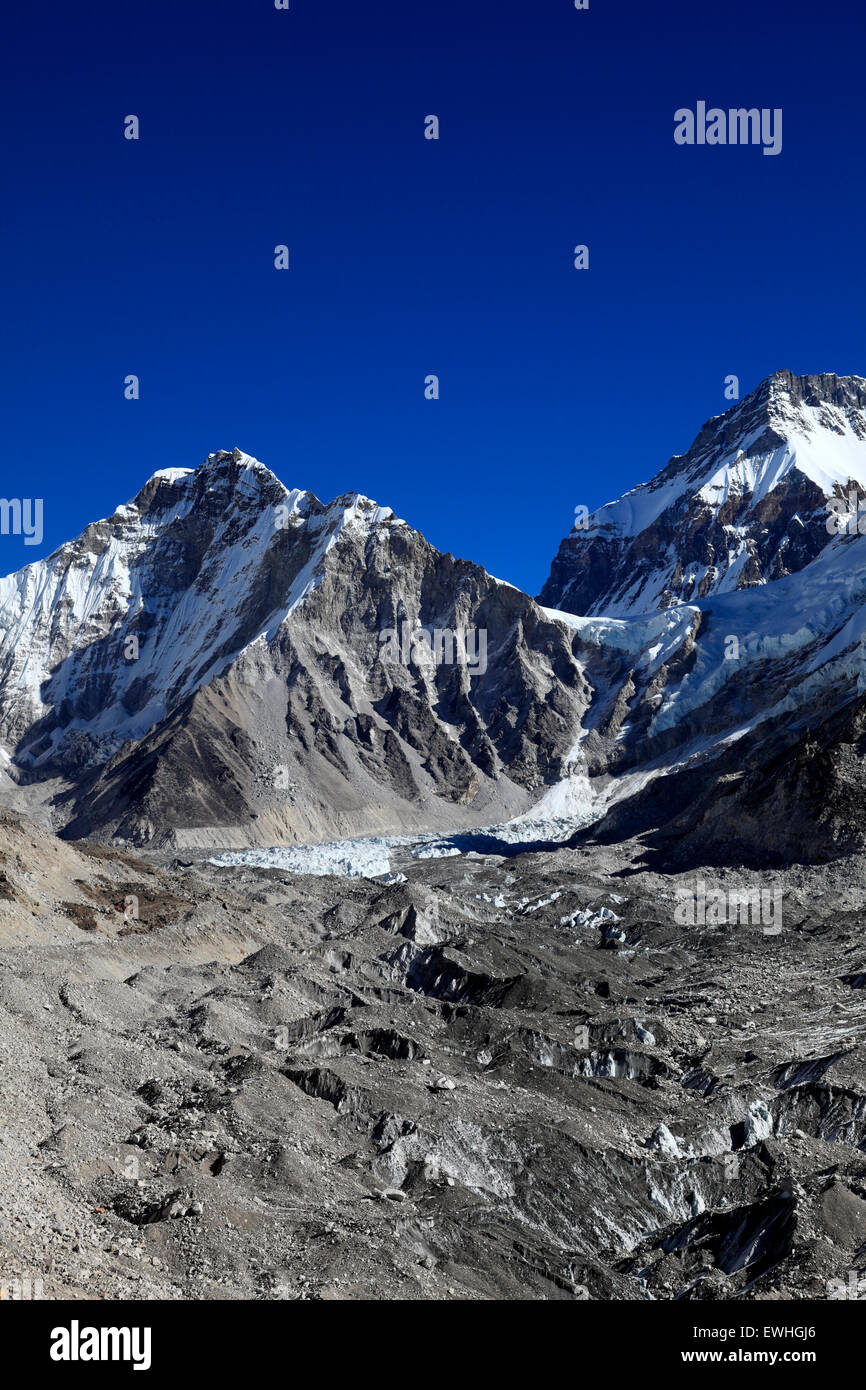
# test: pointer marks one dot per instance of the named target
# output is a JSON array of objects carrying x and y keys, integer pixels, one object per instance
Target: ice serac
[
  {"x": 744, "y": 506},
  {"x": 205, "y": 667}
]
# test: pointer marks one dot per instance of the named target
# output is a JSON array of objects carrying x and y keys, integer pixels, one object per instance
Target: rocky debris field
[{"x": 502, "y": 1078}]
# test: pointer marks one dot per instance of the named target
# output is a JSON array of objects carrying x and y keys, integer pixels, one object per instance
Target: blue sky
[{"x": 409, "y": 257}]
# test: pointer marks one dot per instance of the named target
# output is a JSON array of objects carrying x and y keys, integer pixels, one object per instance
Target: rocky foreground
[{"x": 502, "y": 1078}]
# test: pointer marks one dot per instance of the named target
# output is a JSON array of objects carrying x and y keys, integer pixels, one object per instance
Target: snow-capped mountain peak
[
  {"x": 176, "y": 661},
  {"x": 149, "y": 603},
  {"x": 744, "y": 505}
]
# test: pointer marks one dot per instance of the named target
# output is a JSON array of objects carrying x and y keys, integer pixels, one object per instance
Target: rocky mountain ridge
[
  {"x": 207, "y": 665},
  {"x": 745, "y": 505}
]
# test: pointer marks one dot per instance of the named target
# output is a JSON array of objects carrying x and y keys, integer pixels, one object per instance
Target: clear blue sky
[{"x": 410, "y": 256}]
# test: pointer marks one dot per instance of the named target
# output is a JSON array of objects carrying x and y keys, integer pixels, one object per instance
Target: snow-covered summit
[
  {"x": 745, "y": 505},
  {"x": 148, "y": 604}
]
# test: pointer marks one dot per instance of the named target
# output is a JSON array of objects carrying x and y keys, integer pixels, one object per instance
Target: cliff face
[{"x": 224, "y": 660}]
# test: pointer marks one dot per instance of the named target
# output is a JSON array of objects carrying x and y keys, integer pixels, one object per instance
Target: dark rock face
[
  {"x": 744, "y": 506},
  {"x": 783, "y": 798},
  {"x": 261, "y": 703}
]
